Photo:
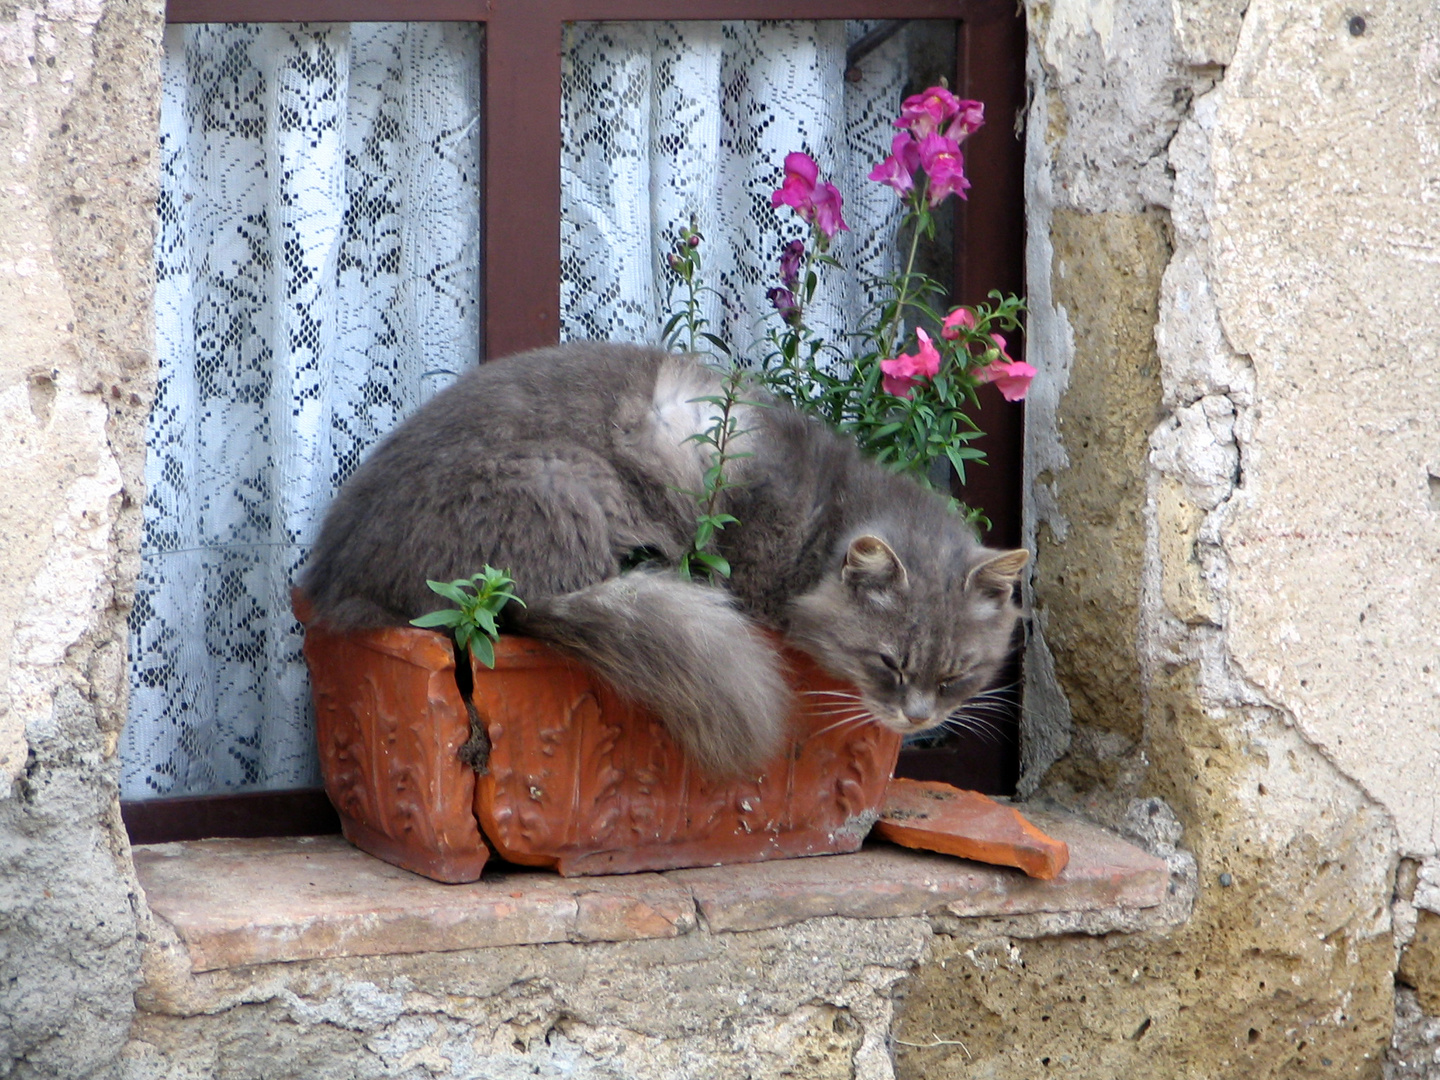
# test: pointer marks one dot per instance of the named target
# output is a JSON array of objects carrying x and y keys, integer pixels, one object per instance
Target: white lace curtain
[
  {"x": 318, "y": 278},
  {"x": 665, "y": 121},
  {"x": 317, "y": 262}
]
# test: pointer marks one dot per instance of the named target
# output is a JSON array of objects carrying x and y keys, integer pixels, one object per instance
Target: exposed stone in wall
[
  {"x": 1420, "y": 963},
  {"x": 1415, "y": 1046},
  {"x": 1106, "y": 276},
  {"x": 79, "y": 81},
  {"x": 812, "y": 1001},
  {"x": 1282, "y": 969},
  {"x": 1263, "y": 540}
]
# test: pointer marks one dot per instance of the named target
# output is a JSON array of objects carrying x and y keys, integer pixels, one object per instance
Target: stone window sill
[{"x": 237, "y": 903}]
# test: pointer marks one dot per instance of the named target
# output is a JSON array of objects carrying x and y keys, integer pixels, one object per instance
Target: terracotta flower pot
[{"x": 579, "y": 778}]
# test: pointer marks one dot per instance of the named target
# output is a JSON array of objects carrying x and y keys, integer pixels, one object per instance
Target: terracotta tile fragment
[
  {"x": 932, "y": 816},
  {"x": 882, "y": 881}
]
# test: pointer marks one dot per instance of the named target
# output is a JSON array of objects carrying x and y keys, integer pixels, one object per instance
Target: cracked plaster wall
[
  {"x": 1232, "y": 268},
  {"x": 813, "y": 1000},
  {"x": 78, "y": 91}
]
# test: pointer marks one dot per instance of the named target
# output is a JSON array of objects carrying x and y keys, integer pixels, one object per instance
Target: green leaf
[
  {"x": 718, "y": 563},
  {"x": 450, "y": 590},
  {"x": 446, "y": 617},
  {"x": 483, "y": 650},
  {"x": 717, "y": 342}
]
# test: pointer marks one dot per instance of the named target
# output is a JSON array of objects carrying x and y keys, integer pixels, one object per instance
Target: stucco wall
[
  {"x": 79, "y": 86},
  {"x": 1236, "y": 531}
]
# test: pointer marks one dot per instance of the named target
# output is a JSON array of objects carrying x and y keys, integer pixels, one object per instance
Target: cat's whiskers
[
  {"x": 981, "y": 708},
  {"x": 997, "y": 708},
  {"x": 982, "y": 726},
  {"x": 994, "y": 691},
  {"x": 857, "y": 720}
]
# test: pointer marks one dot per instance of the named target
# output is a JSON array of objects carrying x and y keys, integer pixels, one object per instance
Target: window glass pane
[
  {"x": 317, "y": 278},
  {"x": 662, "y": 121}
]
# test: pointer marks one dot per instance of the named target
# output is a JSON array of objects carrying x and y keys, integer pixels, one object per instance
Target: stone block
[
  {"x": 240, "y": 902},
  {"x": 1420, "y": 963}
]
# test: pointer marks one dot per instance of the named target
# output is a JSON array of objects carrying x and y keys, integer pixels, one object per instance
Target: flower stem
[{"x": 889, "y": 338}]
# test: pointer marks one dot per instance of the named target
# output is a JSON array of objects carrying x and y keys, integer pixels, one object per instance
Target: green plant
[
  {"x": 478, "y": 600},
  {"x": 907, "y": 410},
  {"x": 723, "y": 431},
  {"x": 686, "y": 324}
]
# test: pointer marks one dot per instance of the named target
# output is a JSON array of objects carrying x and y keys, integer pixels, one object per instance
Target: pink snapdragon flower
[
  {"x": 933, "y": 125},
  {"x": 785, "y": 303},
  {"x": 945, "y": 166},
  {"x": 798, "y": 189},
  {"x": 969, "y": 118},
  {"x": 827, "y": 211},
  {"x": 815, "y": 201},
  {"x": 1011, "y": 377},
  {"x": 905, "y": 371},
  {"x": 898, "y": 170},
  {"x": 928, "y": 111},
  {"x": 958, "y": 321},
  {"x": 791, "y": 257}
]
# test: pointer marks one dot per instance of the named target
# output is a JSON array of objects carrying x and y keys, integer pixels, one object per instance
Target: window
[{"x": 560, "y": 259}]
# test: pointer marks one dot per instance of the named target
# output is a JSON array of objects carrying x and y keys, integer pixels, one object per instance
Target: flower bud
[{"x": 693, "y": 240}]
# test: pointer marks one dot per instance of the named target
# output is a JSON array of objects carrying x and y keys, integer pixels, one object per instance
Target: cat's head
[{"x": 918, "y": 638}]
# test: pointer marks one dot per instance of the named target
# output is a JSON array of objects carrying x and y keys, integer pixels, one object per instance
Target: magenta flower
[
  {"x": 928, "y": 112},
  {"x": 815, "y": 202},
  {"x": 827, "y": 211},
  {"x": 785, "y": 303},
  {"x": 905, "y": 371},
  {"x": 798, "y": 189},
  {"x": 945, "y": 166},
  {"x": 969, "y": 118},
  {"x": 959, "y": 320},
  {"x": 1011, "y": 377},
  {"x": 790, "y": 259},
  {"x": 898, "y": 170}
]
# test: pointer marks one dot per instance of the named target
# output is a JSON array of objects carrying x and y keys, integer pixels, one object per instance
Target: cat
[{"x": 563, "y": 464}]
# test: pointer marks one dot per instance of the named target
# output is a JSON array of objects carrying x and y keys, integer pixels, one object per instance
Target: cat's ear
[
  {"x": 872, "y": 565},
  {"x": 996, "y": 576}
]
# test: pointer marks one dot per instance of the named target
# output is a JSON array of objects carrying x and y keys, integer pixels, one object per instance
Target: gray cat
[{"x": 560, "y": 465}]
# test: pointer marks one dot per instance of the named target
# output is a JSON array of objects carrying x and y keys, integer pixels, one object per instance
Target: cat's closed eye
[
  {"x": 892, "y": 672},
  {"x": 954, "y": 684}
]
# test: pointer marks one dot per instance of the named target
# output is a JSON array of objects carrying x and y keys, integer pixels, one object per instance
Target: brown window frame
[{"x": 521, "y": 63}]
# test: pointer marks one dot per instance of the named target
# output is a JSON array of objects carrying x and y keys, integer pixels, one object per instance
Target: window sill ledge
[{"x": 238, "y": 903}]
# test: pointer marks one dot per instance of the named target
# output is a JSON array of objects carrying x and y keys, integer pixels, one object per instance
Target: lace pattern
[
  {"x": 318, "y": 278},
  {"x": 668, "y": 120},
  {"x": 318, "y": 247}
]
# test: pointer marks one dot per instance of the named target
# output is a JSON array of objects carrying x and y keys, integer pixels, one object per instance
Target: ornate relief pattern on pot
[
  {"x": 579, "y": 778},
  {"x": 607, "y": 790}
]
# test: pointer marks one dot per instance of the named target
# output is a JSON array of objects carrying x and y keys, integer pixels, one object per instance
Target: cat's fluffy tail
[{"x": 686, "y": 652}]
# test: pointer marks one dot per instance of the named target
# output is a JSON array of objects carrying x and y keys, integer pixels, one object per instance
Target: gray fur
[{"x": 556, "y": 465}]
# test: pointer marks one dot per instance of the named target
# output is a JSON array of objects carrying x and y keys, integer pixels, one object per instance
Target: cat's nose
[{"x": 918, "y": 709}]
